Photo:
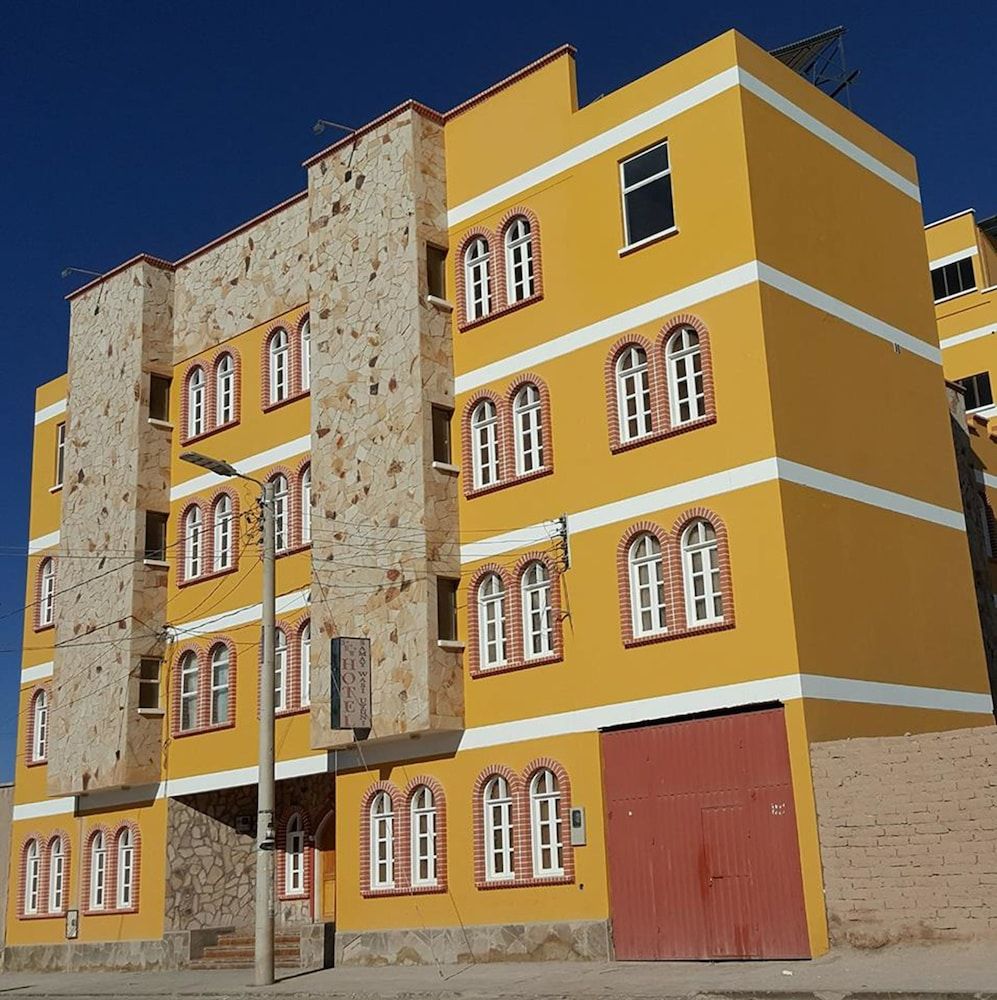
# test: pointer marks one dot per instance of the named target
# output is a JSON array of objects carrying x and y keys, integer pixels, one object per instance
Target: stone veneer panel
[
  {"x": 384, "y": 521},
  {"x": 117, "y": 467}
]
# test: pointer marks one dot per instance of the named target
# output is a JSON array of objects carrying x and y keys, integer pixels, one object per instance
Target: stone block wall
[{"x": 908, "y": 833}]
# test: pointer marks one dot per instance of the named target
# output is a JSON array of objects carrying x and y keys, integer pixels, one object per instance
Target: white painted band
[
  {"x": 964, "y": 338},
  {"x": 286, "y": 604},
  {"x": 951, "y": 258},
  {"x": 47, "y": 807},
  {"x": 50, "y": 411},
  {"x": 39, "y": 672},
  {"x": 43, "y": 542}
]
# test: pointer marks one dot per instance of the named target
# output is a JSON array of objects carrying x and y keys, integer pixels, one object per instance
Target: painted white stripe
[
  {"x": 949, "y": 218},
  {"x": 50, "y": 411},
  {"x": 964, "y": 338},
  {"x": 38, "y": 672},
  {"x": 988, "y": 478},
  {"x": 47, "y": 807},
  {"x": 832, "y": 138},
  {"x": 686, "y": 298},
  {"x": 279, "y": 453},
  {"x": 694, "y": 490},
  {"x": 952, "y": 257},
  {"x": 43, "y": 542},
  {"x": 900, "y": 695},
  {"x": 286, "y": 603}
]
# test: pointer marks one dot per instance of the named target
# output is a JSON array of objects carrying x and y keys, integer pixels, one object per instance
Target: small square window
[
  {"x": 951, "y": 279},
  {"x": 159, "y": 397},
  {"x": 148, "y": 683},
  {"x": 446, "y": 608},
  {"x": 441, "y": 435},
  {"x": 155, "y": 535},
  {"x": 978, "y": 391},
  {"x": 646, "y": 181},
  {"x": 436, "y": 271}
]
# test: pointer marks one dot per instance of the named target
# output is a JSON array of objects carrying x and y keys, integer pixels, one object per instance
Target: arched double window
[
  {"x": 701, "y": 574},
  {"x": 647, "y": 585},
  {"x": 32, "y": 876},
  {"x": 545, "y": 825},
  {"x": 294, "y": 857},
  {"x": 219, "y": 661},
  {"x": 484, "y": 444},
  {"x": 686, "y": 390},
  {"x": 279, "y": 352},
  {"x": 190, "y": 671},
  {"x": 538, "y": 619},
  {"x": 527, "y": 420},
  {"x": 477, "y": 279},
  {"x": 222, "y": 542},
  {"x": 193, "y": 543},
  {"x": 496, "y": 801},
  {"x": 97, "y": 890},
  {"x": 491, "y": 621},
  {"x": 38, "y": 750},
  {"x": 56, "y": 875},
  {"x": 196, "y": 402},
  {"x": 124, "y": 899},
  {"x": 382, "y": 841},
  {"x": 633, "y": 393},
  {"x": 224, "y": 390},
  {"x": 46, "y": 593},
  {"x": 422, "y": 836},
  {"x": 519, "y": 260}
]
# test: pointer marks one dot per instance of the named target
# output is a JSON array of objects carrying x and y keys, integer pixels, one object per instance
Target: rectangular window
[
  {"x": 60, "y": 453},
  {"x": 978, "y": 392},
  {"x": 441, "y": 435},
  {"x": 951, "y": 279},
  {"x": 155, "y": 535},
  {"x": 436, "y": 271},
  {"x": 646, "y": 181},
  {"x": 446, "y": 608},
  {"x": 159, "y": 397},
  {"x": 148, "y": 683}
]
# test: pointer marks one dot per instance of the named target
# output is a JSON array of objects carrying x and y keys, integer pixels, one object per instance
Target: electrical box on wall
[
  {"x": 577, "y": 824},
  {"x": 244, "y": 824}
]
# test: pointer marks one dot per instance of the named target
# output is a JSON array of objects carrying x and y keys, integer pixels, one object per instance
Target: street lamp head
[{"x": 215, "y": 465}]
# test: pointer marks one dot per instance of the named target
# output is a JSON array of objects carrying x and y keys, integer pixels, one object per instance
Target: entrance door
[
  {"x": 703, "y": 852},
  {"x": 325, "y": 849}
]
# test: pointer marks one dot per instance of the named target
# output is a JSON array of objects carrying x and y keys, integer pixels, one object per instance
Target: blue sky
[{"x": 155, "y": 127}]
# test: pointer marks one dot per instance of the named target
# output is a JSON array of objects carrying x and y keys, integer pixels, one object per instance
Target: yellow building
[{"x": 577, "y": 415}]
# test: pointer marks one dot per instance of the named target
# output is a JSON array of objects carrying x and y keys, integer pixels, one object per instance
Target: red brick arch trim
[
  {"x": 684, "y": 520},
  {"x": 460, "y": 277},
  {"x": 307, "y": 860},
  {"x": 39, "y": 625},
  {"x": 111, "y": 894},
  {"x": 473, "y": 628},
  {"x": 46, "y": 879},
  {"x": 299, "y": 387},
  {"x": 182, "y": 576},
  {"x": 467, "y": 443},
  {"x": 400, "y": 845},
  {"x": 672, "y": 584},
  {"x": 502, "y": 275},
  {"x": 440, "y": 804},
  {"x": 216, "y": 425},
  {"x": 564, "y": 815},
  {"x": 204, "y": 687},
  {"x": 655, "y": 385},
  {"x": 520, "y": 827},
  {"x": 86, "y": 866},
  {"x": 509, "y": 457},
  {"x": 185, "y": 436},
  {"x": 202, "y": 654},
  {"x": 30, "y": 759},
  {"x": 706, "y": 360}
]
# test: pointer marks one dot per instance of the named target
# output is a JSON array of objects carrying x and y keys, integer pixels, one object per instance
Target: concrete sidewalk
[{"x": 939, "y": 970}]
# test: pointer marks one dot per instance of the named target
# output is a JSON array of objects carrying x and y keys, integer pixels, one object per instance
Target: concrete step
[{"x": 248, "y": 941}]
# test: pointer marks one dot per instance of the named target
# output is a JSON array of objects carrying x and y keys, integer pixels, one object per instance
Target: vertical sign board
[{"x": 351, "y": 685}]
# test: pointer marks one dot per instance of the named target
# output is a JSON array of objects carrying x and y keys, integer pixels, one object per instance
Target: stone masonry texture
[{"x": 908, "y": 831}]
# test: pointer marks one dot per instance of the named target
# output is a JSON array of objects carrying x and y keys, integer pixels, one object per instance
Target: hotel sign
[{"x": 351, "y": 685}]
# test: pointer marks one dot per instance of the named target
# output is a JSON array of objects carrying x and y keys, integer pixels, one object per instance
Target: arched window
[
  {"x": 56, "y": 875},
  {"x": 46, "y": 593},
  {"x": 294, "y": 857},
  {"x": 39, "y": 726},
  {"x": 196, "y": 423},
  {"x": 686, "y": 396},
  {"x": 219, "y": 684},
  {"x": 422, "y": 843},
  {"x": 382, "y": 842},
  {"x": 126, "y": 869},
  {"x": 192, "y": 543},
  {"x": 538, "y": 624},
  {"x": 497, "y": 805},
  {"x": 279, "y": 670},
  {"x": 527, "y": 416},
  {"x": 477, "y": 279},
  {"x": 304, "y": 357},
  {"x": 305, "y": 652},
  {"x": 633, "y": 393},
  {"x": 32, "y": 876},
  {"x": 491, "y": 621},
  {"x": 305, "y": 500},
  {"x": 224, "y": 390},
  {"x": 222, "y": 540},
  {"x": 280, "y": 387},
  {"x": 281, "y": 533},
  {"x": 701, "y": 574},
  {"x": 484, "y": 444},
  {"x": 98, "y": 872},
  {"x": 189, "y": 671},
  {"x": 647, "y": 585},
  {"x": 545, "y": 824},
  {"x": 519, "y": 260}
]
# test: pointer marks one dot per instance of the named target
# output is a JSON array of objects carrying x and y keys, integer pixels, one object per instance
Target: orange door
[{"x": 326, "y": 847}]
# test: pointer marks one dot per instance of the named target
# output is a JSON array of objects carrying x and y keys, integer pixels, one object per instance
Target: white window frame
[
  {"x": 645, "y": 557},
  {"x": 97, "y": 889},
  {"x": 477, "y": 279},
  {"x": 126, "y": 869},
  {"x": 305, "y": 663},
  {"x": 686, "y": 386},
  {"x": 382, "y": 841},
  {"x": 46, "y": 593},
  {"x": 220, "y": 658},
  {"x": 527, "y": 418},
  {"x": 485, "y": 462},
  {"x": 56, "y": 875},
  {"x": 280, "y": 366},
  {"x": 32, "y": 877},
  {"x": 280, "y": 678},
  {"x": 625, "y": 190},
  {"x": 60, "y": 453},
  {"x": 39, "y": 726},
  {"x": 221, "y": 547},
  {"x": 281, "y": 521},
  {"x": 492, "y": 638},
  {"x": 633, "y": 384},
  {"x": 707, "y": 547},
  {"x": 538, "y": 618},
  {"x": 225, "y": 390},
  {"x": 422, "y": 836},
  {"x": 545, "y": 825},
  {"x": 499, "y": 845},
  {"x": 196, "y": 423},
  {"x": 190, "y": 682},
  {"x": 304, "y": 356},
  {"x": 294, "y": 856},
  {"x": 519, "y": 257},
  {"x": 305, "y": 503},
  {"x": 193, "y": 541}
]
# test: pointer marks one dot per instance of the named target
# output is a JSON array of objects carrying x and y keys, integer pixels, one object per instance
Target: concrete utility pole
[{"x": 265, "y": 834}]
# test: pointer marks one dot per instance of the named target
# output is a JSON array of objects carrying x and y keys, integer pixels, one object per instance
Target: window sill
[
  {"x": 277, "y": 404},
  {"x": 502, "y": 484},
  {"x": 452, "y": 644},
  {"x": 679, "y": 633},
  {"x": 152, "y": 712},
  {"x": 442, "y": 304},
  {"x": 957, "y": 295},
  {"x": 210, "y": 575},
  {"x": 60, "y": 915},
  {"x": 45, "y": 628},
  {"x": 37, "y": 762},
  {"x": 183, "y": 733},
  {"x": 514, "y": 665},
  {"x": 662, "y": 435},
  {"x": 647, "y": 241},
  {"x": 156, "y": 563},
  {"x": 164, "y": 424},
  {"x": 450, "y": 470},
  {"x": 55, "y": 489},
  {"x": 503, "y": 310}
]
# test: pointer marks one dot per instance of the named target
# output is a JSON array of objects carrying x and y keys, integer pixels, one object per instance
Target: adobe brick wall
[{"x": 908, "y": 831}]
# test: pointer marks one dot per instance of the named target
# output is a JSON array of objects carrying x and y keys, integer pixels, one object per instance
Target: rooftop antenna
[
  {"x": 322, "y": 124},
  {"x": 821, "y": 60},
  {"x": 67, "y": 271}
]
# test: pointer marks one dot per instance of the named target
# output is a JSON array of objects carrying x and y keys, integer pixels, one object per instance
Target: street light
[{"x": 265, "y": 835}]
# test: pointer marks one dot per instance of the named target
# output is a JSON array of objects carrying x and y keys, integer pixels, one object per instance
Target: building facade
[{"x": 560, "y": 408}]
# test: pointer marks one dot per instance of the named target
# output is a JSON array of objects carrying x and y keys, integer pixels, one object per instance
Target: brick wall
[{"x": 908, "y": 830}]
